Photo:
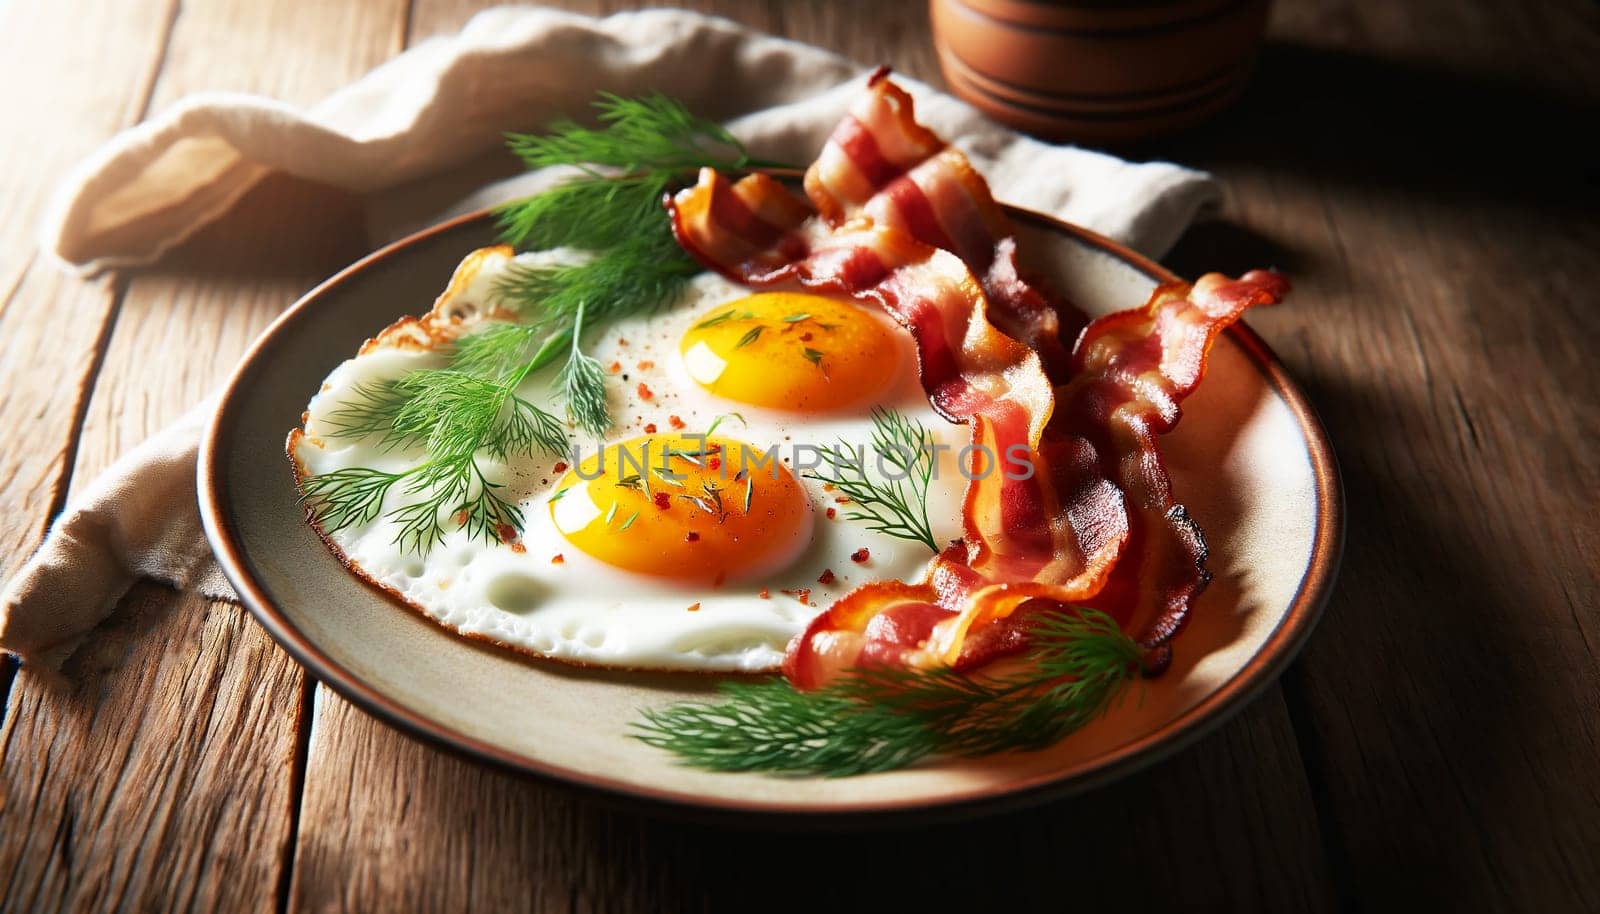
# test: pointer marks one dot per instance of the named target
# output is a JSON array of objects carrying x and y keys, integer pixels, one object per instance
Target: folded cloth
[{"x": 407, "y": 136}]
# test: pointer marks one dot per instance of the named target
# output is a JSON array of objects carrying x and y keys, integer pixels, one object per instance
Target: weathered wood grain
[
  {"x": 157, "y": 772},
  {"x": 439, "y": 834},
  {"x": 1445, "y": 323},
  {"x": 163, "y": 771},
  {"x": 66, "y": 89}
]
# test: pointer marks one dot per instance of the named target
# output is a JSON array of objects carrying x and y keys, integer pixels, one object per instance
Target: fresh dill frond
[
  {"x": 371, "y": 407},
  {"x": 456, "y": 488},
  {"x": 496, "y": 349},
  {"x": 455, "y": 415},
  {"x": 616, "y": 207},
  {"x": 643, "y": 147},
  {"x": 897, "y": 506},
  {"x": 582, "y": 383},
  {"x": 523, "y": 429},
  {"x": 459, "y": 413},
  {"x": 882, "y": 719},
  {"x": 645, "y": 273},
  {"x": 347, "y": 498},
  {"x": 649, "y": 132}
]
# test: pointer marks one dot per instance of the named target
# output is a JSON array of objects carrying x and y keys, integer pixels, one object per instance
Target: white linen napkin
[{"x": 406, "y": 135}]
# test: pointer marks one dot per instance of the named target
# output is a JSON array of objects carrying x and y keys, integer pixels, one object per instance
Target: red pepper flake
[
  {"x": 694, "y": 607},
  {"x": 644, "y": 392},
  {"x": 826, "y": 577},
  {"x": 461, "y": 517},
  {"x": 663, "y": 500},
  {"x": 560, "y": 467},
  {"x": 675, "y": 422},
  {"x": 507, "y": 532},
  {"x": 621, "y": 341},
  {"x": 803, "y": 595},
  {"x": 832, "y": 513},
  {"x": 828, "y": 487},
  {"x": 840, "y": 499},
  {"x": 557, "y": 559},
  {"x": 766, "y": 594},
  {"x": 650, "y": 428},
  {"x": 518, "y": 548},
  {"x": 714, "y": 463},
  {"x": 860, "y": 556},
  {"x": 646, "y": 365},
  {"x": 691, "y": 536},
  {"x": 805, "y": 337},
  {"x": 614, "y": 367}
]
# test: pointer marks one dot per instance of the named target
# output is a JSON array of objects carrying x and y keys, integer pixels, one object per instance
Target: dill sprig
[
  {"x": 610, "y": 207},
  {"x": 648, "y": 134},
  {"x": 456, "y": 416},
  {"x": 897, "y": 506},
  {"x": 870, "y": 720},
  {"x": 644, "y": 147},
  {"x": 582, "y": 383},
  {"x": 617, "y": 206},
  {"x": 638, "y": 276}
]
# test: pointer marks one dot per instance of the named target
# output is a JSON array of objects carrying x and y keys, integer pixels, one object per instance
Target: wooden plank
[
  {"x": 52, "y": 328},
  {"x": 51, "y": 323},
  {"x": 157, "y": 773},
  {"x": 893, "y": 32},
  {"x": 165, "y": 771},
  {"x": 1444, "y": 321},
  {"x": 388, "y": 824}
]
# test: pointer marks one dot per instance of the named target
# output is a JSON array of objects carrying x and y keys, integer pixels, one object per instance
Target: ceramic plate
[{"x": 1249, "y": 460}]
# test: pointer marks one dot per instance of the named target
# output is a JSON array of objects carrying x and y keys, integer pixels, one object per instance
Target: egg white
[{"x": 582, "y": 610}]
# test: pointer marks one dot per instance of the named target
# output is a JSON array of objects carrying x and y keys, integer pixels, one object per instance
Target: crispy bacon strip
[
  {"x": 881, "y": 164},
  {"x": 1100, "y": 455},
  {"x": 1132, "y": 370},
  {"x": 903, "y": 222}
]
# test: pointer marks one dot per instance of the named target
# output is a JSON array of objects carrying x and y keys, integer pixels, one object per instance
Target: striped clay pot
[{"x": 1098, "y": 71}]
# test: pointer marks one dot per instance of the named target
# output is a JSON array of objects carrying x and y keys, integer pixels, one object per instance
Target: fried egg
[{"x": 691, "y": 537}]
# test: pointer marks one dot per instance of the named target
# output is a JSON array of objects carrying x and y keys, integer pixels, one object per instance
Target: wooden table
[{"x": 1414, "y": 167}]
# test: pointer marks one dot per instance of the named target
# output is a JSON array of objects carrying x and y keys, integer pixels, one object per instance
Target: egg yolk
[
  {"x": 684, "y": 506},
  {"x": 791, "y": 351}
]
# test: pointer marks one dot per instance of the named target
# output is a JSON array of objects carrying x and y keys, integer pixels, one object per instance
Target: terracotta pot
[{"x": 1098, "y": 71}]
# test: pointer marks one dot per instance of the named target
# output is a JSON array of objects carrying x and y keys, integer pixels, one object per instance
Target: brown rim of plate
[{"x": 1261, "y": 670}]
